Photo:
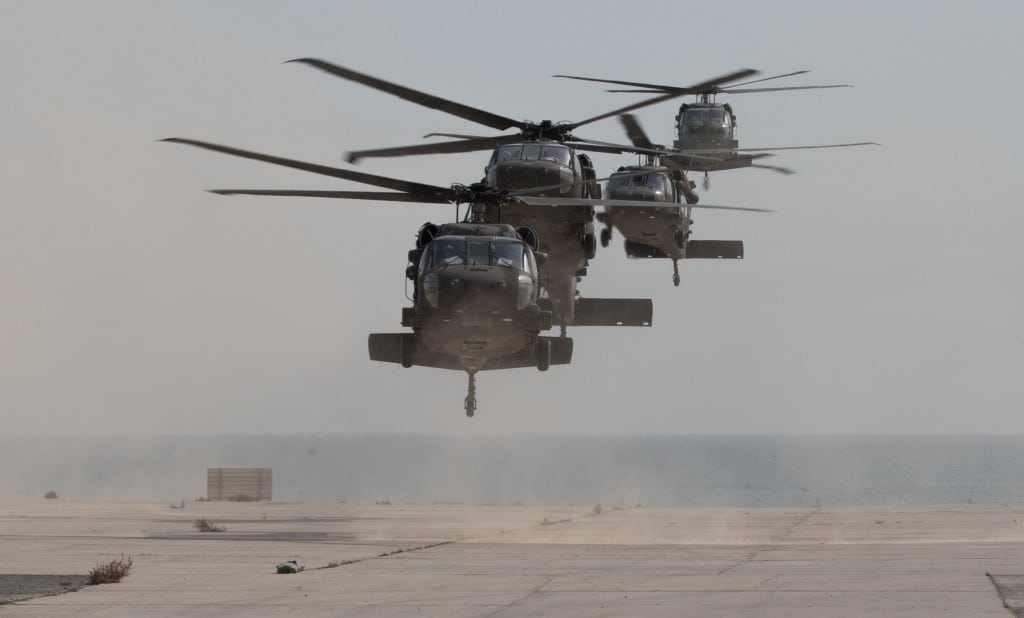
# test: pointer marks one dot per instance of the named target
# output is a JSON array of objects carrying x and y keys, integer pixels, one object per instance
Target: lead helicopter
[
  {"x": 476, "y": 303},
  {"x": 662, "y": 230},
  {"x": 542, "y": 154},
  {"x": 705, "y": 131}
]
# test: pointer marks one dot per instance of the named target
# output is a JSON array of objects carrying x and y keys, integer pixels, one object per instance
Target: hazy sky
[{"x": 883, "y": 295}]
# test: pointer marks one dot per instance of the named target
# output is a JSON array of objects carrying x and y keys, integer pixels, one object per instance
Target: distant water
[{"x": 655, "y": 471}]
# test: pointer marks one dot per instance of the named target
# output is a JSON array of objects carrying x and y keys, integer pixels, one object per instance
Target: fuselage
[
  {"x": 476, "y": 297},
  {"x": 705, "y": 125},
  {"x": 665, "y": 225},
  {"x": 551, "y": 169}
]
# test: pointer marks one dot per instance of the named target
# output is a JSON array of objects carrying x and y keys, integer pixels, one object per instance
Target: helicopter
[
  {"x": 476, "y": 304},
  {"x": 662, "y": 230},
  {"x": 541, "y": 154},
  {"x": 706, "y": 138}
]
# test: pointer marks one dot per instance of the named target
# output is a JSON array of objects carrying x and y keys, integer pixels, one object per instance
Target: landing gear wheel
[
  {"x": 606, "y": 236},
  {"x": 707, "y": 182},
  {"x": 543, "y": 354},
  {"x": 589, "y": 246},
  {"x": 675, "y": 272}
]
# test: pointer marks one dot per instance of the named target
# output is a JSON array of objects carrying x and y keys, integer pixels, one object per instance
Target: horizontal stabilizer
[
  {"x": 613, "y": 312},
  {"x": 714, "y": 249}
]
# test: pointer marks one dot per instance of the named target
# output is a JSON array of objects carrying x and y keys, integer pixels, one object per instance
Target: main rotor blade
[
  {"x": 646, "y": 87},
  {"x": 748, "y": 90},
  {"x": 640, "y": 90},
  {"x": 695, "y": 89},
  {"x": 466, "y": 145},
  {"x": 634, "y": 131},
  {"x": 765, "y": 79},
  {"x": 678, "y": 92},
  {"x": 595, "y": 146},
  {"x": 775, "y": 168},
  {"x": 422, "y": 191},
  {"x": 348, "y": 195},
  {"x": 567, "y": 185},
  {"x": 582, "y": 201},
  {"x": 455, "y": 136},
  {"x": 420, "y": 98},
  {"x": 807, "y": 147}
]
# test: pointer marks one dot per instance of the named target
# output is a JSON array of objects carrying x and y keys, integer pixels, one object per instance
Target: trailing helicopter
[
  {"x": 662, "y": 230},
  {"x": 541, "y": 154},
  {"x": 705, "y": 131},
  {"x": 476, "y": 303}
]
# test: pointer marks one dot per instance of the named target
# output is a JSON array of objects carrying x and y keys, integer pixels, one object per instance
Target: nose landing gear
[
  {"x": 471, "y": 395},
  {"x": 675, "y": 272}
]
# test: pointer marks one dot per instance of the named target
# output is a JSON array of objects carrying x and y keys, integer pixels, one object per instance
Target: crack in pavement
[{"x": 515, "y": 602}]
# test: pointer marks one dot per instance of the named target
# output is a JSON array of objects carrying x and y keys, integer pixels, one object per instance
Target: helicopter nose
[
  {"x": 480, "y": 289},
  {"x": 527, "y": 175}
]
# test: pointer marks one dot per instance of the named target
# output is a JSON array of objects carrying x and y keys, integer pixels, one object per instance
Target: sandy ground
[{"x": 505, "y": 560}]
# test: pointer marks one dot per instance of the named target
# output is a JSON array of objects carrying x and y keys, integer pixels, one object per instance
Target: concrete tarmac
[{"x": 505, "y": 560}]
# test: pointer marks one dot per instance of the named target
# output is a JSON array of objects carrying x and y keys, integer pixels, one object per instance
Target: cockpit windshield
[
  {"x": 658, "y": 182},
  {"x": 449, "y": 251},
  {"x": 718, "y": 115},
  {"x": 535, "y": 152},
  {"x": 696, "y": 115},
  {"x": 510, "y": 253},
  {"x": 557, "y": 153},
  {"x": 513, "y": 151},
  {"x": 531, "y": 152},
  {"x": 480, "y": 251}
]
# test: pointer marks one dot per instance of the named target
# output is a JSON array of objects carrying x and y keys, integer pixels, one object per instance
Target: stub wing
[
  {"x": 610, "y": 312},
  {"x": 402, "y": 348}
]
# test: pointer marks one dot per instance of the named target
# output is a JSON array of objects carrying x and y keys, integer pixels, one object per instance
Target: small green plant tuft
[
  {"x": 51, "y": 495},
  {"x": 205, "y": 525},
  {"x": 110, "y": 573}
]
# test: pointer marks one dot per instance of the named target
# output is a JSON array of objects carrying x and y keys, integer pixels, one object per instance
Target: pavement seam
[
  {"x": 522, "y": 598},
  {"x": 401, "y": 550}
]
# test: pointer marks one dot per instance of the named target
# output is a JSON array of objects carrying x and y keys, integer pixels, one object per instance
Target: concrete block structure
[{"x": 239, "y": 484}]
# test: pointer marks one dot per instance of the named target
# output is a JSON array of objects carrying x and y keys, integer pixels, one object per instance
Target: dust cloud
[{"x": 616, "y": 472}]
